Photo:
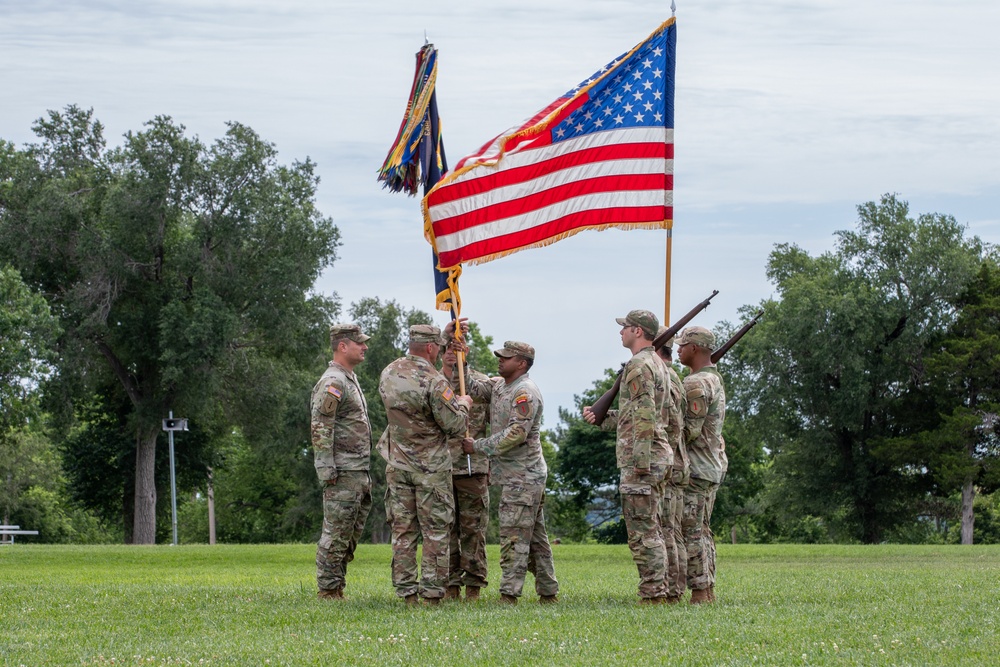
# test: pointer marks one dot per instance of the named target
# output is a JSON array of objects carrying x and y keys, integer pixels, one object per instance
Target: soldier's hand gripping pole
[
  {"x": 736, "y": 337},
  {"x": 460, "y": 355},
  {"x": 603, "y": 404}
]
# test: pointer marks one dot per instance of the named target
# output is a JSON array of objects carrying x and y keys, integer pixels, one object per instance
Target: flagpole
[{"x": 666, "y": 282}]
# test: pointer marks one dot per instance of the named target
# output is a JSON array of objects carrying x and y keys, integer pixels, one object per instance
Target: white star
[
  {"x": 637, "y": 75},
  {"x": 646, "y": 85},
  {"x": 657, "y": 73},
  {"x": 598, "y": 123},
  {"x": 588, "y": 115},
  {"x": 627, "y": 88},
  {"x": 579, "y": 127},
  {"x": 628, "y": 108},
  {"x": 637, "y": 96},
  {"x": 657, "y": 94},
  {"x": 648, "y": 106},
  {"x": 638, "y": 117},
  {"x": 657, "y": 117},
  {"x": 657, "y": 51},
  {"x": 619, "y": 119},
  {"x": 618, "y": 79},
  {"x": 647, "y": 63},
  {"x": 560, "y": 133},
  {"x": 607, "y": 111},
  {"x": 618, "y": 98}
]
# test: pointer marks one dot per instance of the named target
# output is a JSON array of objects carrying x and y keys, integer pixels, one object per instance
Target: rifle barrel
[{"x": 603, "y": 404}]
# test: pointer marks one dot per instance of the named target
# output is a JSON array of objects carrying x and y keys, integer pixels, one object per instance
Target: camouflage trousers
[
  {"x": 671, "y": 520},
  {"x": 640, "y": 495},
  {"x": 468, "y": 533},
  {"x": 524, "y": 544},
  {"x": 345, "y": 509},
  {"x": 419, "y": 505},
  {"x": 699, "y": 500}
]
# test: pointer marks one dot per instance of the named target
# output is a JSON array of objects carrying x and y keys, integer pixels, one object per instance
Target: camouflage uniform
[
  {"x": 423, "y": 413},
  {"x": 672, "y": 506},
  {"x": 342, "y": 442},
  {"x": 642, "y": 444},
  {"x": 517, "y": 464},
  {"x": 472, "y": 501},
  {"x": 706, "y": 411}
]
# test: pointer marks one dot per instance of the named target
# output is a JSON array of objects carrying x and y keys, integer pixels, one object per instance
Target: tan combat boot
[
  {"x": 325, "y": 594},
  {"x": 471, "y": 593},
  {"x": 548, "y": 599},
  {"x": 453, "y": 593},
  {"x": 711, "y": 593},
  {"x": 432, "y": 601},
  {"x": 412, "y": 600},
  {"x": 507, "y": 599},
  {"x": 700, "y": 596}
]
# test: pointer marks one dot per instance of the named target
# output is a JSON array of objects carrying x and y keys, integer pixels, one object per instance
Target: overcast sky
[{"x": 789, "y": 113}]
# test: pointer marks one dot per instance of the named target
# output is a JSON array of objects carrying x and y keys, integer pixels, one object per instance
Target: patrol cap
[
  {"x": 643, "y": 319},
  {"x": 699, "y": 336},
  {"x": 515, "y": 348},
  {"x": 425, "y": 333},
  {"x": 348, "y": 331},
  {"x": 669, "y": 343}
]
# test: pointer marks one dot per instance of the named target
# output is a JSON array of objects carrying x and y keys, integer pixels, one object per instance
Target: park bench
[{"x": 7, "y": 533}]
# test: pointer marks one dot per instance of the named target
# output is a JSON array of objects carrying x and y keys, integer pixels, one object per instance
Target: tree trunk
[
  {"x": 144, "y": 512},
  {"x": 968, "y": 518}
]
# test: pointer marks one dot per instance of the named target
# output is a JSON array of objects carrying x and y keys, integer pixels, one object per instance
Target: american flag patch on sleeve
[
  {"x": 333, "y": 391},
  {"x": 448, "y": 394}
]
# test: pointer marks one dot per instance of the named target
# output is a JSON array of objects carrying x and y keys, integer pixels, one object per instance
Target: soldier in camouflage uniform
[
  {"x": 517, "y": 464},
  {"x": 423, "y": 413},
  {"x": 643, "y": 452},
  {"x": 672, "y": 504},
  {"x": 706, "y": 411},
  {"x": 470, "y": 480},
  {"x": 342, "y": 443}
]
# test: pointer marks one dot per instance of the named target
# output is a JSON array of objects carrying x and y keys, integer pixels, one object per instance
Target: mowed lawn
[{"x": 256, "y": 605}]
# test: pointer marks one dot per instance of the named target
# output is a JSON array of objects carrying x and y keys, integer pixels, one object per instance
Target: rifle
[
  {"x": 736, "y": 337},
  {"x": 603, "y": 404}
]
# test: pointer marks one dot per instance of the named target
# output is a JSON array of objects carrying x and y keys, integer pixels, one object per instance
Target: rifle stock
[
  {"x": 718, "y": 354},
  {"x": 603, "y": 404}
]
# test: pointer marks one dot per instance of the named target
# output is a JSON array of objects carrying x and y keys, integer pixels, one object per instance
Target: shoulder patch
[
  {"x": 448, "y": 394},
  {"x": 333, "y": 391},
  {"x": 522, "y": 404}
]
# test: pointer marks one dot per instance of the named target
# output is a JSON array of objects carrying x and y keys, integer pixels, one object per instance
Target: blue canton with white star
[{"x": 634, "y": 95}]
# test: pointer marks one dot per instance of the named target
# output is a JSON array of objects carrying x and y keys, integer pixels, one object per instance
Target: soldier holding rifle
[
  {"x": 642, "y": 451},
  {"x": 706, "y": 411},
  {"x": 672, "y": 504}
]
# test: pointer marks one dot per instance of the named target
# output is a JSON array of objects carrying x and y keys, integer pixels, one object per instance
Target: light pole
[{"x": 170, "y": 425}]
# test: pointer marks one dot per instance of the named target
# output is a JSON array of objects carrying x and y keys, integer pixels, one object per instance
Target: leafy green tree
[
  {"x": 585, "y": 468},
  {"x": 180, "y": 270},
  {"x": 28, "y": 331},
  {"x": 825, "y": 379},
  {"x": 962, "y": 451}
]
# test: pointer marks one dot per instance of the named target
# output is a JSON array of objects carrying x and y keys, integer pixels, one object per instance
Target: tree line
[{"x": 166, "y": 274}]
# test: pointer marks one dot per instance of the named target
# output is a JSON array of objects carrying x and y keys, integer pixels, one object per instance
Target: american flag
[{"x": 600, "y": 156}]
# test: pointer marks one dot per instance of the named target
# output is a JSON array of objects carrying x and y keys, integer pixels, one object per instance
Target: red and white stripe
[{"x": 538, "y": 192}]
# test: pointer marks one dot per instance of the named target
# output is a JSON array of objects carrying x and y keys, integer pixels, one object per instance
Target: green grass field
[{"x": 256, "y": 605}]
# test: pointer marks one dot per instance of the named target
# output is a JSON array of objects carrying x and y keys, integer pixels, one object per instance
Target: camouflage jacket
[
  {"x": 674, "y": 419},
  {"x": 479, "y": 416},
  {"x": 514, "y": 446},
  {"x": 341, "y": 433},
  {"x": 706, "y": 411},
  {"x": 642, "y": 402},
  {"x": 423, "y": 414}
]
